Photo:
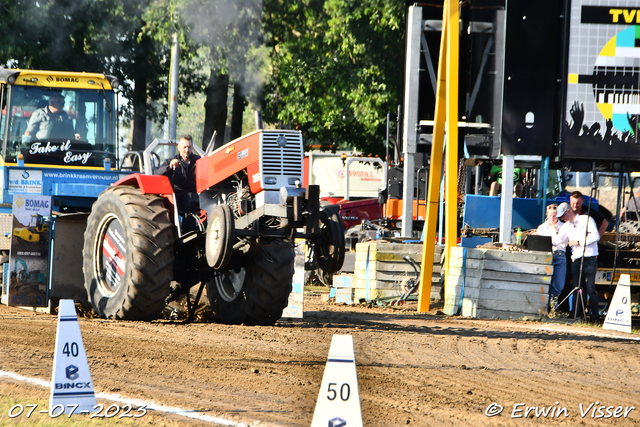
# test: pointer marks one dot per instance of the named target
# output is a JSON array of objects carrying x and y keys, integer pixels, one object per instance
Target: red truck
[{"x": 348, "y": 182}]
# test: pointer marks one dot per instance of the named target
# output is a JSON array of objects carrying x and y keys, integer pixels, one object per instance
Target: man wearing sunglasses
[
  {"x": 42, "y": 119},
  {"x": 551, "y": 227}
]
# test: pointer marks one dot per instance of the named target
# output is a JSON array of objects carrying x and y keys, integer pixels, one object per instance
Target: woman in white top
[{"x": 550, "y": 227}]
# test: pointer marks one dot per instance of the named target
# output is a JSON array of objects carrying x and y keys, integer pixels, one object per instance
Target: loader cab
[{"x": 57, "y": 119}]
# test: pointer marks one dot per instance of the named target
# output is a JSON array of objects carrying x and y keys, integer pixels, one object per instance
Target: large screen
[{"x": 602, "y": 104}]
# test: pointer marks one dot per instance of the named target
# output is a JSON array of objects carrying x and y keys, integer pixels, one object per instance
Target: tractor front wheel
[
  {"x": 329, "y": 249},
  {"x": 128, "y": 254},
  {"x": 220, "y": 237}
]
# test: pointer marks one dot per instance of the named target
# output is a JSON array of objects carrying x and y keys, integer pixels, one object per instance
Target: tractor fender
[
  {"x": 152, "y": 184},
  {"x": 148, "y": 184}
]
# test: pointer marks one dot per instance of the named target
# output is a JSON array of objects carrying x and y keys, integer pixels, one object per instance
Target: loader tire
[
  {"x": 128, "y": 254},
  {"x": 255, "y": 288}
]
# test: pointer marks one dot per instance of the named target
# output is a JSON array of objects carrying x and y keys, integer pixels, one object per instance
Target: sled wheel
[
  {"x": 329, "y": 248},
  {"x": 128, "y": 254},
  {"x": 220, "y": 237}
]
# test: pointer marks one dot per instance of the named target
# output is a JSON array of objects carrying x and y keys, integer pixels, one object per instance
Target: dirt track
[{"x": 412, "y": 369}]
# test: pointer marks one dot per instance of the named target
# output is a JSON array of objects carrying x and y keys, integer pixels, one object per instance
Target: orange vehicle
[{"x": 253, "y": 205}]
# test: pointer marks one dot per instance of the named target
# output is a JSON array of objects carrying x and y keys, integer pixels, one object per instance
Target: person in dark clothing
[{"x": 181, "y": 171}]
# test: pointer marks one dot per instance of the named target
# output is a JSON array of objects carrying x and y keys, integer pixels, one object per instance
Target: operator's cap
[{"x": 562, "y": 208}]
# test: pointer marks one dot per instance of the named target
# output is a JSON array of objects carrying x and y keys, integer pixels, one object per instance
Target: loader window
[{"x": 81, "y": 134}]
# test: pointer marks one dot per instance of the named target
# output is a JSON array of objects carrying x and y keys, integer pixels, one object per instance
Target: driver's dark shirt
[{"x": 183, "y": 181}]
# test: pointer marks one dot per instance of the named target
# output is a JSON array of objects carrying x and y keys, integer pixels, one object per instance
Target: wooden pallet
[
  {"x": 498, "y": 284},
  {"x": 387, "y": 269}
]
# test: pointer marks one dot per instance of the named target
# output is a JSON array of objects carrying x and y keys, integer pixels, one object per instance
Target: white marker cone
[
  {"x": 619, "y": 313},
  {"x": 71, "y": 385},
  {"x": 338, "y": 402},
  {"x": 295, "y": 309}
]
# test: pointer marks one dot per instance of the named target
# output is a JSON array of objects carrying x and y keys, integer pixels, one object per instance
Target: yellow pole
[
  {"x": 435, "y": 172},
  {"x": 451, "y": 169}
]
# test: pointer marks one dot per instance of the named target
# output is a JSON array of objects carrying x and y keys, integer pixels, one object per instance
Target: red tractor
[{"x": 242, "y": 248}]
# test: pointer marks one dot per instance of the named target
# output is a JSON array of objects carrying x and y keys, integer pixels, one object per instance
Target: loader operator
[
  {"x": 43, "y": 118},
  {"x": 181, "y": 171}
]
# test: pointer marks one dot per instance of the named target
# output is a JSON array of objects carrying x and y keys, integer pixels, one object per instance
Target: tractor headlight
[
  {"x": 270, "y": 180},
  {"x": 286, "y": 195}
]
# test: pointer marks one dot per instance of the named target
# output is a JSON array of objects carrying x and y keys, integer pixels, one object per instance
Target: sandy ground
[{"x": 413, "y": 369}]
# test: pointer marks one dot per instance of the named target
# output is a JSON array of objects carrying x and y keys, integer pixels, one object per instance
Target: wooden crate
[
  {"x": 343, "y": 284},
  {"x": 498, "y": 284},
  {"x": 386, "y": 269}
]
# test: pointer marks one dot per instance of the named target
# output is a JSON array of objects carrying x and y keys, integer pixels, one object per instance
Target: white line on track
[{"x": 136, "y": 402}]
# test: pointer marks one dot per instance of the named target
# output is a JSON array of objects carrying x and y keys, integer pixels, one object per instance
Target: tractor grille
[{"x": 277, "y": 160}]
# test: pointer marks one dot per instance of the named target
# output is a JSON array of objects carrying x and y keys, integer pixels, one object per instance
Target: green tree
[
  {"x": 140, "y": 61},
  {"x": 54, "y": 34},
  {"x": 86, "y": 35},
  {"x": 130, "y": 40},
  {"x": 163, "y": 21},
  {"x": 337, "y": 69}
]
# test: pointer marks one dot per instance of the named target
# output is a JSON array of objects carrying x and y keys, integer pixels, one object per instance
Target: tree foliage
[
  {"x": 55, "y": 34},
  {"x": 337, "y": 69},
  {"x": 162, "y": 21},
  {"x": 231, "y": 30},
  {"x": 129, "y": 39}
]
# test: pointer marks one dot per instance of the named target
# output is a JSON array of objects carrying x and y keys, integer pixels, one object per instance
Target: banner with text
[{"x": 28, "y": 263}]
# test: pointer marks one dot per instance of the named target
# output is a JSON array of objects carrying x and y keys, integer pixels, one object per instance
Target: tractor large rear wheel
[
  {"x": 271, "y": 283},
  {"x": 128, "y": 255},
  {"x": 255, "y": 288},
  {"x": 226, "y": 291}
]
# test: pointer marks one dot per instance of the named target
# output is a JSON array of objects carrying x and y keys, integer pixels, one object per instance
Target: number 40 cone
[{"x": 71, "y": 385}]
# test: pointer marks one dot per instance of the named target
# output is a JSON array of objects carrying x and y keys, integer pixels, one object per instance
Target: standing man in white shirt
[
  {"x": 551, "y": 227},
  {"x": 582, "y": 235}
]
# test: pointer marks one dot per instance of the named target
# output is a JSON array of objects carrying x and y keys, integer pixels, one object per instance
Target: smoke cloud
[{"x": 232, "y": 30}]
